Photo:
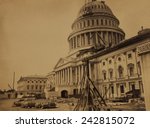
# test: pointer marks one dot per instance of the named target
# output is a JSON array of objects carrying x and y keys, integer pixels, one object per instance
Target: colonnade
[
  {"x": 85, "y": 39},
  {"x": 70, "y": 75}
]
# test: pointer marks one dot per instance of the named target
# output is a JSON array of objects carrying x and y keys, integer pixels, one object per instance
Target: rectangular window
[
  {"x": 97, "y": 22},
  {"x": 112, "y": 89},
  {"x": 111, "y": 74},
  {"x": 28, "y": 87},
  {"x": 104, "y": 75},
  {"x": 122, "y": 88},
  {"x": 133, "y": 87},
  {"x": 131, "y": 70}
]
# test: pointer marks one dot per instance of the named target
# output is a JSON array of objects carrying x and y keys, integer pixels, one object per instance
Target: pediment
[{"x": 61, "y": 62}]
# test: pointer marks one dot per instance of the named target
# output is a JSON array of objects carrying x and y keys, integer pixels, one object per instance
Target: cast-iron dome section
[{"x": 95, "y": 19}]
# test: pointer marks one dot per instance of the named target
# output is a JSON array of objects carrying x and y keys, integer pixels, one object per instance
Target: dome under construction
[{"x": 95, "y": 26}]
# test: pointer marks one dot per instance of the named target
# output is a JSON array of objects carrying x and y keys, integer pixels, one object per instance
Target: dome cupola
[{"x": 95, "y": 7}]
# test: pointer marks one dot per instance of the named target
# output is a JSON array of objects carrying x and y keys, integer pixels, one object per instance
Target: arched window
[
  {"x": 104, "y": 75},
  {"x": 120, "y": 72},
  {"x": 119, "y": 59},
  {"x": 131, "y": 69},
  {"x": 111, "y": 73},
  {"x": 104, "y": 63},
  {"x": 110, "y": 61}
]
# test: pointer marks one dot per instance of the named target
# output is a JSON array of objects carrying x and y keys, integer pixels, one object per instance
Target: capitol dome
[{"x": 95, "y": 26}]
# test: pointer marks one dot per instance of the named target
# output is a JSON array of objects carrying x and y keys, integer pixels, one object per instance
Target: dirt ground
[{"x": 7, "y": 105}]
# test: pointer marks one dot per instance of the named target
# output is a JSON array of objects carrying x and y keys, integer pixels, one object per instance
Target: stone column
[
  {"x": 56, "y": 80},
  {"x": 90, "y": 40},
  {"x": 127, "y": 87},
  {"x": 110, "y": 42},
  {"x": 96, "y": 39},
  {"x": 72, "y": 43},
  {"x": 119, "y": 38},
  {"x": 116, "y": 38},
  {"x": 75, "y": 74},
  {"x": 66, "y": 75},
  {"x": 81, "y": 72},
  {"x": 75, "y": 42},
  {"x": 90, "y": 71},
  {"x": 102, "y": 38},
  {"x": 106, "y": 39},
  {"x": 80, "y": 40},
  {"x": 112, "y": 39},
  {"x": 70, "y": 75},
  {"x": 144, "y": 52},
  {"x": 61, "y": 77},
  {"x": 115, "y": 90},
  {"x": 83, "y": 39}
]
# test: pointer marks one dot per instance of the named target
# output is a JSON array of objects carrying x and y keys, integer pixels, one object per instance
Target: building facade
[
  {"x": 31, "y": 85},
  {"x": 115, "y": 66}
]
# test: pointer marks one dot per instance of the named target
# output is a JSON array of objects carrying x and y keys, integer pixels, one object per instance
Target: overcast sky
[{"x": 33, "y": 33}]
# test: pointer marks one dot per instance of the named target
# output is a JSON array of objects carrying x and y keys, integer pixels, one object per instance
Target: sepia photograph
[{"x": 74, "y": 55}]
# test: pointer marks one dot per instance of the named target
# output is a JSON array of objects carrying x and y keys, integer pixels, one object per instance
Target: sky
[{"x": 33, "y": 33}]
